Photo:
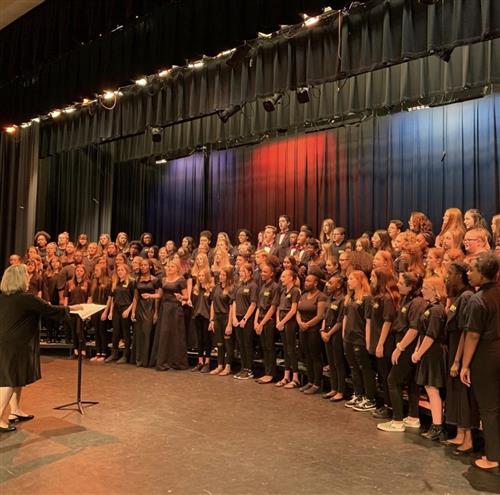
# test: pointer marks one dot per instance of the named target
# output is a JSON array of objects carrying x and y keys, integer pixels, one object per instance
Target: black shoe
[
  {"x": 17, "y": 418},
  {"x": 435, "y": 432},
  {"x": 205, "y": 368},
  {"x": 8, "y": 429},
  {"x": 458, "y": 452},
  {"x": 197, "y": 367},
  {"x": 382, "y": 413}
]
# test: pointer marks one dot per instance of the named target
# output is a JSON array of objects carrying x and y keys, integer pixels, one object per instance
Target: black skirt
[
  {"x": 432, "y": 368},
  {"x": 460, "y": 407},
  {"x": 169, "y": 348}
]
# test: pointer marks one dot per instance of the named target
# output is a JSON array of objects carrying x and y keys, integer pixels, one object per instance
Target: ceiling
[{"x": 10, "y": 10}]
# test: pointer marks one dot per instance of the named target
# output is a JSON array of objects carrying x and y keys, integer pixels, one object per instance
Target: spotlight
[
  {"x": 264, "y": 35},
  {"x": 226, "y": 114},
  {"x": 309, "y": 21},
  {"x": 161, "y": 161},
  {"x": 36, "y": 119},
  {"x": 86, "y": 102},
  {"x": 156, "y": 134},
  {"x": 444, "y": 54},
  {"x": 141, "y": 82},
  {"x": 10, "y": 129},
  {"x": 198, "y": 64},
  {"x": 69, "y": 109},
  {"x": 270, "y": 103},
  {"x": 54, "y": 114},
  {"x": 303, "y": 94},
  {"x": 238, "y": 55},
  {"x": 25, "y": 124},
  {"x": 109, "y": 95}
]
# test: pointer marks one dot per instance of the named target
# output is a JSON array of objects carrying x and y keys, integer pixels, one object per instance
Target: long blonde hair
[
  {"x": 204, "y": 283},
  {"x": 224, "y": 263},
  {"x": 15, "y": 279},
  {"x": 196, "y": 270}
]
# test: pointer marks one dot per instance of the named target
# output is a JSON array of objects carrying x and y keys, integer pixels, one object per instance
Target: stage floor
[{"x": 188, "y": 433}]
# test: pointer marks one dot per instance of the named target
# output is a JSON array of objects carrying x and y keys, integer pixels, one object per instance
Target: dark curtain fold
[
  {"x": 165, "y": 199},
  {"x": 75, "y": 192},
  {"x": 18, "y": 189},
  {"x": 365, "y": 174},
  {"x": 193, "y": 95}
]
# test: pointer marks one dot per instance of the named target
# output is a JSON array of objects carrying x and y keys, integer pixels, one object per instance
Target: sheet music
[{"x": 88, "y": 310}]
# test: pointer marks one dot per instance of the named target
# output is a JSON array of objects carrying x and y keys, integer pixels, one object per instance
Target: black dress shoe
[
  {"x": 382, "y": 413},
  {"x": 435, "y": 432},
  {"x": 458, "y": 452},
  {"x": 8, "y": 429},
  {"x": 18, "y": 417}
]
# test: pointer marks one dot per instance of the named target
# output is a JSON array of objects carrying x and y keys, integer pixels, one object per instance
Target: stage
[{"x": 190, "y": 433}]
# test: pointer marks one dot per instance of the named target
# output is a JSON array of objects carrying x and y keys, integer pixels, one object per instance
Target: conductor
[{"x": 20, "y": 313}]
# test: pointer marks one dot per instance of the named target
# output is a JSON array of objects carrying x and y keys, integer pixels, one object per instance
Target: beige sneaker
[{"x": 411, "y": 422}]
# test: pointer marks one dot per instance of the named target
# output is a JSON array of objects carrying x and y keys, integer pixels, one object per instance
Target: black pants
[
  {"x": 383, "y": 368},
  {"x": 485, "y": 382},
  {"x": 101, "y": 333},
  {"x": 202, "y": 336},
  {"x": 77, "y": 330},
  {"x": 268, "y": 347},
  {"x": 402, "y": 374},
  {"x": 310, "y": 342},
  {"x": 244, "y": 336},
  {"x": 187, "y": 314},
  {"x": 363, "y": 376},
  {"x": 121, "y": 330},
  {"x": 289, "y": 336},
  {"x": 225, "y": 343},
  {"x": 336, "y": 360}
]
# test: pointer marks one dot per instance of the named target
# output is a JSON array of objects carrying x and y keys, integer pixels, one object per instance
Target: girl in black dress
[
  {"x": 402, "y": 373},
  {"x": 169, "y": 350},
  {"x": 286, "y": 323},
  {"x": 245, "y": 302},
  {"x": 100, "y": 290},
  {"x": 356, "y": 308},
  {"x": 120, "y": 308},
  {"x": 429, "y": 352},
  {"x": 459, "y": 407},
  {"x": 202, "y": 299},
  {"x": 35, "y": 284},
  {"x": 331, "y": 334},
  {"x": 385, "y": 302},
  {"x": 53, "y": 283},
  {"x": 76, "y": 292},
  {"x": 310, "y": 312},
  {"x": 145, "y": 312},
  {"x": 221, "y": 318}
]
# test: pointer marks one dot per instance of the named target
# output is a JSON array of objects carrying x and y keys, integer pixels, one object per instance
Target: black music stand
[{"x": 79, "y": 402}]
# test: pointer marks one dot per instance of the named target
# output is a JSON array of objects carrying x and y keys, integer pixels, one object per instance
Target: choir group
[{"x": 398, "y": 310}]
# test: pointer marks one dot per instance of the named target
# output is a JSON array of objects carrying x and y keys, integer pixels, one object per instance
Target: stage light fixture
[
  {"x": 109, "y": 95},
  {"x": 55, "y": 114},
  {"x": 303, "y": 94},
  {"x": 24, "y": 125},
  {"x": 156, "y": 134},
  {"x": 161, "y": 161},
  {"x": 69, "y": 109},
  {"x": 198, "y": 64},
  {"x": 238, "y": 55},
  {"x": 10, "y": 129},
  {"x": 226, "y": 114},
  {"x": 264, "y": 35},
  {"x": 309, "y": 21},
  {"x": 141, "y": 82},
  {"x": 270, "y": 103},
  {"x": 36, "y": 119},
  {"x": 445, "y": 54}
]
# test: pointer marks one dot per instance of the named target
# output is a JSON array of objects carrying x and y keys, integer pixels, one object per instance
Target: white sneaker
[
  {"x": 392, "y": 426},
  {"x": 411, "y": 423},
  {"x": 353, "y": 401},
  {"x": 365, "y": 405}
]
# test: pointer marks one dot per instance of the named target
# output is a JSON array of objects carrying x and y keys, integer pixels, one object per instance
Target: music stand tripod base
[{"x": 79, "y": 402}]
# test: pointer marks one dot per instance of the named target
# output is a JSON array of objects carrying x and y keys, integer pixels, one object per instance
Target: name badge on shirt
[
  {"x": 334, "y": 306},
  {"x": 404, "y": 309},
  {"x": 266, "y": 294},
  {"x": 289, "y": 296},
  {"x": 427, "y": 314},
  {"x": 376, "y": 306},
  {"x": 246, "y": 291},
  {"x": 453, "y": 308}
]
